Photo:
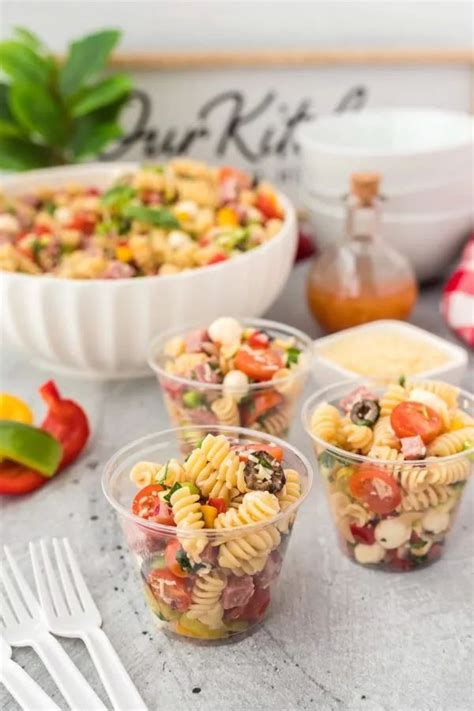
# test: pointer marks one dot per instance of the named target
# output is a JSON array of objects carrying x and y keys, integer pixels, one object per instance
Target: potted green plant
[{"x": 54, "y": 112}]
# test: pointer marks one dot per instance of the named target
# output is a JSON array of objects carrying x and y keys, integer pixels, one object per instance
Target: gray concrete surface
[{"x": 338, "y": 636}]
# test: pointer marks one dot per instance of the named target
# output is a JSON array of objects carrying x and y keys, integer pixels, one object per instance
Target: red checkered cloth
[{"x": 457, "y": 302}]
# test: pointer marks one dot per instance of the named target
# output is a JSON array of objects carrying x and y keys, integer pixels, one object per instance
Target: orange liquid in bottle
[{"x": 335, "y": 311}]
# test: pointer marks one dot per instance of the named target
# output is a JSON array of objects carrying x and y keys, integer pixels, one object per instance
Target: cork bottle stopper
[{"x": 365, "y": 186}]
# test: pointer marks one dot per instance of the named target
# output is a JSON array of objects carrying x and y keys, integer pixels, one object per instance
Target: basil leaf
[
  {"x": 157, "y": 216},
  {"x": 118, "y": 196},
  {"x": 402, "y": 380},
  {"x": 28, "y": 38},
  {"x": 183, "y": 560},
  {"x": 102, "y": 94},
  {"x": 170, "y": 493},
  {"x": 292, "y": 355},
  {"x": 86, "y": 58}
]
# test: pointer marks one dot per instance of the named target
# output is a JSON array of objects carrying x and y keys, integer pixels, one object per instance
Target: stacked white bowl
[{"x": 426, "y": 160}]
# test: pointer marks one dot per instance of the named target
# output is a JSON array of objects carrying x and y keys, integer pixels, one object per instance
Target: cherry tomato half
[
  {"x": 363, "y": 534},
  {"x": 414, "y": 418},
  {"x": 169, "y": 588},
  {"x": 268, "y": 204},
  {"x": 272, "y": 449},
  {"x": 16, "y": 479},
  {"x": 217, "y": 259},
  {"x": 258, "y": 340},
  {"x": 163, "y": 514},
  {"x": 172, "y": 547},
  {"x": 242, "y": 179},
  {"x": 260, "y": 404},
  {"x": 146, "y": 501},
  {"x": 375, "y": 488},
  {"x": 218, "y": 504},
  {"x": 258, "y": 364}
]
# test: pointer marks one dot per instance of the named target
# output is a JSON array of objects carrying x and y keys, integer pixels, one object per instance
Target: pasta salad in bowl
[
  {"x": 395, "y": 460},
  {"x": 157, "y": 219},
  {"x": 247, "y": 372},
  {"x": 208, "y": 532},
  {"x": 106, "y": 259}
]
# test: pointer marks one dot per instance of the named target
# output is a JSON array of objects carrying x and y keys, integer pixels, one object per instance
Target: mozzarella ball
[
  {"x": 435, "y": 521},
  {"x": 178, "y": 239},
  {"x": 367, "y": 554},
  {"x": 392, "y": 533},
  {"x": 236, "y": 384},
  {"x": 63, "y": 215},
  {"x": 9, "y": 224},
  {"x": 433, "y": 401},
  {"x": 225, "y": 330}
]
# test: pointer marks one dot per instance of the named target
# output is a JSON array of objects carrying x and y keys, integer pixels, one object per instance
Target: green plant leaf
[
  {"x": 102, "y": 94},
  {"x": 86, "y": 58},
  {"x": 158, "y": 216},
  {"x": 38, "y": 112},
  {"x": 117, "y": 197},
  {"x": 91, "y": 137},
  {"x": 8, "y": 125},
  {"x": 21, "y": 154},
  {"x": 29, "y": 38},
  {"x": 22, "y": 64}
]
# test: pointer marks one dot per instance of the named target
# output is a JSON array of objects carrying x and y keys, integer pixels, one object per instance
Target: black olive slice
[
  {"x": 263, "y": 472},
  {"x": 365, "y": 412}
]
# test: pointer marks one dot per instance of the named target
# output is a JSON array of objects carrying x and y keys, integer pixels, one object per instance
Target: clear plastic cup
[
  {"x": 244, "y": 594},
  {"x": 414, "y": 533},
  {"x": 267, "y": 406}
]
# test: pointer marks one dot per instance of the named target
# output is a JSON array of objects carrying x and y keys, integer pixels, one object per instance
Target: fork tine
[
  {"x": 14, "y": 598},
  {"x": 6, "y": 612},
  {"x": 28, "y": 596},
  {"x": 68, "y": 586},
  {"x": 40, "y": 580},
  {"x": 84, "y": 595},
  {"x": 56, "y": 594}
]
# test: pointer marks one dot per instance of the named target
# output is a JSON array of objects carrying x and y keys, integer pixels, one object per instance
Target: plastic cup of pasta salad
[
  {"x": 395, "y": 459},
  {"x": 246, "y": 372},
  {"x": 209, "y": 531}
]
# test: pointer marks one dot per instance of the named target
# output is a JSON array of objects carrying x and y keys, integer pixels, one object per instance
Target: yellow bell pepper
[
  {"x": 123, "y": 253},
  {"x": 209, "y": 514},
  {"x": 189, "y": 627},
  {"x": 12, "y": 408},
  {"x": 227, "y": 217}
]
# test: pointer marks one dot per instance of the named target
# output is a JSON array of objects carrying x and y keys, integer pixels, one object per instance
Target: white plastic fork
[
  {"x": 29, "y": 695},
  {"x": 70, "y": 611},
  {"x": 24, "y": 626}
]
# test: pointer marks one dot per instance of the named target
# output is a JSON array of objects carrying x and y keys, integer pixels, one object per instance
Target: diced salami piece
[
  {"x": 205, "y": 374},
  {"x": 195, "y": 339},
  {"x": 271, "y": 570},
  {"x": 413, "y": 447},
  {"x": 237, "y": 592}
]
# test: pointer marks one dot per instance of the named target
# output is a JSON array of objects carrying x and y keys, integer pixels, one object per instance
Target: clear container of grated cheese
[{"x": 387, "y": 349}]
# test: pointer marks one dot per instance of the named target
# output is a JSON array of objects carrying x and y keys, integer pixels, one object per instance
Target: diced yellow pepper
[
  {"x": 209, "y": 514},
  {"x": 12, "y": 408},
  {"x": 123, "y": 253},
  {"x": 457, "y": 423},
  {"x": 227, "y": 217},
  {"x": 194, "y": 628}
]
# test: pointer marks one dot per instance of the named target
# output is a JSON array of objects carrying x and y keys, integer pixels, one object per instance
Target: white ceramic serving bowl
[
  {"x": 102, "y": 328},
  {"x": 412, "y": 149},
  {"x": 430, "y": 241},
  {"x": 327, "y": 372},
  {"x": 445, "y": 197}
]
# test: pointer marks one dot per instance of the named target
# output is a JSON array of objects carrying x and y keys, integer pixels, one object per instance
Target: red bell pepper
[
  {"x": 66, "y": 421},
  {"x": 16, "y": 479}
]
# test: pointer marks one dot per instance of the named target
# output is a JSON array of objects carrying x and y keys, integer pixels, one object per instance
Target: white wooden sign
[{"x": 249, "y": 117}]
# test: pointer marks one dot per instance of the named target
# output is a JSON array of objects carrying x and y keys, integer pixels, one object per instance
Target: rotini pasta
[
  {"x": 451, "y": 442},
  {"x": 245, "y": 553},
  {"x": 431, "y": 495},
  {"x": 325, "y": 422},
  {"x": 357, "y": 438},
  {"x": 205, "y": 605},
  {"x": 393, "y": 396},
  {"x": 144, "y": 473},
  {"x": 384, "y": 436},
  {"x": 226, "y": 410},
  {"x": 448, "y": 393}
]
